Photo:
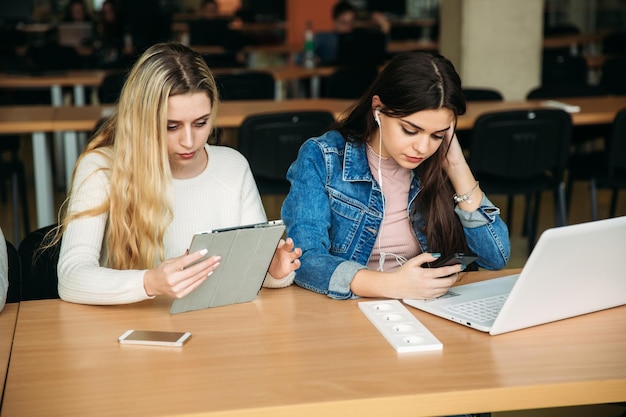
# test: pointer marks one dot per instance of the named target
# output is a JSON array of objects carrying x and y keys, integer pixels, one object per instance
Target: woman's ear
[{"x": 376, "y": 103}]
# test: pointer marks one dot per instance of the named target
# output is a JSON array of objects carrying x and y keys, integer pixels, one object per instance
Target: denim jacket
[{"x": 334, "y": 210}]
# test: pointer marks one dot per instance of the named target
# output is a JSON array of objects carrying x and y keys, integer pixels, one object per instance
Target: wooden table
[
  {"x": 78, "y": 80},
  {"x": 593, "y": 110},
  {"x": 285, "y": 73},
  {"x": 8, "y": 317},
  {"x": 396, "y": 47},
  {"x": 572, "y": 40},
  {"x": 36, "y": 120},
  {"x": 293, "y": 352}
]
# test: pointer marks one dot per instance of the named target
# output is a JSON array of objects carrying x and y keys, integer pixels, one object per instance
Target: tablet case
[{"x": 246, "y": 252}]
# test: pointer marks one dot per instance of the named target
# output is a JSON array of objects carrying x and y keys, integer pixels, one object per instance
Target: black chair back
[
  {"x": 613, "y": 80},
  {"x": 14, "y": 295},
  {"x": 349, "y": 82},
  {"x": 270, "y": 142},
  {"x": 362, "y": 47},
  {"x": 602, "y": 168},
  {"x": 110, "y": 89},
  {"x": 562, "y": 68},
  {"x": 521, "y": 145},
  {"x": 12, "y": 169},
  {"x": 245, "y": 85},
  {"x": 214, "y": 32},
  {"x": 482, "y": 94},
  {"x": 523, "y": 152},
  {"x": 39, "y": 266},
  {"x": 617, "y": 151}
]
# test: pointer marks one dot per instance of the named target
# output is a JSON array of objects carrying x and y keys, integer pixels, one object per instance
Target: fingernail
[
  {"x": 436, "y": 255},
  {"x": 209, "y": 274},
  {"x": 204, "y": 251},
  {"x": 463, "y": 267}
]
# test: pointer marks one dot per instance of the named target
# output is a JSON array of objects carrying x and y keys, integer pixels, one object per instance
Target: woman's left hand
[
  {"x": 285, "y": 259},
  {"x": 454, "y": 156}
]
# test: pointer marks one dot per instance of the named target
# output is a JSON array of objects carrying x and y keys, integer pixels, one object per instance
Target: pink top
[{"x": 396, "y": 240}]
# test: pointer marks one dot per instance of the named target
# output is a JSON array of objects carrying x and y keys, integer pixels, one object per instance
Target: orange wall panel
[{"x": 298, "y": 12}]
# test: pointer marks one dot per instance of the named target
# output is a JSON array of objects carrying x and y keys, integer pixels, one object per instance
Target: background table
[
  {"x": 39, "y": 119},
  {"x": 593, "y": 110},
  {"x": 78, "y": 80},
  {"x": 292, "y": 352},
  {"x": 8, "y": 317}
]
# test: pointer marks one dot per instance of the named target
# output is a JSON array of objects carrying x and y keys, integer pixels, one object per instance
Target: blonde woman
[{"x": 147, "y": 181}]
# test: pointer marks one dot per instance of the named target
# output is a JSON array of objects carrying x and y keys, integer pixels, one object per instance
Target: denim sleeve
[
  {"x": 486, "y": 234},
  {"x": 306, "y": 213}
]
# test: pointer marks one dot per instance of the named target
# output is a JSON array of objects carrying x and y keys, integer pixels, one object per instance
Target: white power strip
[{"x": 401, "y": 329}]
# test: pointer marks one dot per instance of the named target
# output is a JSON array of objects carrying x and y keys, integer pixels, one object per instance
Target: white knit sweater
[
  {"x": 223, "y": 195},
  {"x": 4, "y": 271}
]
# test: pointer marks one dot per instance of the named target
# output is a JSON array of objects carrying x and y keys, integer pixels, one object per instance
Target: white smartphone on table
[{"x": 154, "y": 338}]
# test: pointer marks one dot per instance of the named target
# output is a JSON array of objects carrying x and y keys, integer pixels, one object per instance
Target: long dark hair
[{"x": 413, "y": 82}]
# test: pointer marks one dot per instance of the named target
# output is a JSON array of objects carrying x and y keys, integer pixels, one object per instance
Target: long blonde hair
[{"x": 134, "y": 140}]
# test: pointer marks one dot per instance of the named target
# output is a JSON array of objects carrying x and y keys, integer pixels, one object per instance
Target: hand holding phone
[{"x": 463, "y": 258}]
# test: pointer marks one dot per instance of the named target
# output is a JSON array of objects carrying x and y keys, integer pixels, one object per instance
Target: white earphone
[{"x": 377, "y": 116}]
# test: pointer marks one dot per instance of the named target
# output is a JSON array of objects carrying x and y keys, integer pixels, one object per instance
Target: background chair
[
  {"x": 582, "y": 136},
  {"x": 476, "y": 94},
  {"x": 226, "y": 59},
  {"x": 39, "y": 267},
  {"x": 523, "y": 152},
  {"x": 482, "y": 94},
  {"x": 245, "y": 85},
  {"x": 214, "y": 32},
  {"x": 14, "y": 294},
  {"x": 110, "y": 89},
  {"x": 603, "y": 168},
  {"x": 12, "y": 167},
  {"x": 613, "y": 70},
  {"x": 349, "y": 82},
  {"x": 271, "y": 143}
]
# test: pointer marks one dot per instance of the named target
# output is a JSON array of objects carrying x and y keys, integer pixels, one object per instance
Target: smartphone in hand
[{"x": 463, "y": 258}]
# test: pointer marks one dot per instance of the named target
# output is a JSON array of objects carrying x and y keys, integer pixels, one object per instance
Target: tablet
[{"x": 246, "y": 252}]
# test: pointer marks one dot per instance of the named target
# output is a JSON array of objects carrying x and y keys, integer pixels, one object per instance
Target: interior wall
[
  {"x": 298, "y": 12},
  {"x": 494, "y": 44}
]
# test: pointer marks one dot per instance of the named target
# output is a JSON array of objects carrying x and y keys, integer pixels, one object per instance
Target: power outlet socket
[{"x": 401, "y": 329}]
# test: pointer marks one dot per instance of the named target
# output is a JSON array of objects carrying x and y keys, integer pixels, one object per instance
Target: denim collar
[{"x": 356, "y": 166}]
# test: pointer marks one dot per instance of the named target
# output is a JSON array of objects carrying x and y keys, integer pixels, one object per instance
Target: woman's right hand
[
  {"x": 413, "y": 280},
  {"x": 174, "y": 279}
]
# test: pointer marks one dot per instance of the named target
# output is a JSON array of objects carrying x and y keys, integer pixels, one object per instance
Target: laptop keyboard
[{"x": 481, "y": 311}]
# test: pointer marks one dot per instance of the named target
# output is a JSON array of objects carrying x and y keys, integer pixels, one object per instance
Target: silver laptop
[
  {"x": 246, "y": 252},
  {"x": 74, "y": 33},
  {"x": 572, "y": 270}
]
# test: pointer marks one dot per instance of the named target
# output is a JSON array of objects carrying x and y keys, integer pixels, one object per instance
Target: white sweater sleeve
[
  {"x": 4, "y": 271},
  {"x": 82, "y": 279}
]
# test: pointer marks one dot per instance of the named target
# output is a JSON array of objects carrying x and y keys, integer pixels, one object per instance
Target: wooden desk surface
[
  {"x": 26, "y": 119},
  {"x": 232, "y": 113},
  {"x": 281, "y": 73},
  {"x": 90, "y": 78},
  {"x": 292, "y": 352},
  {"x": 396, "y": 47},
  {"x": 8, "y": 317},
  {"x": 564, "y": 41},
  {"x": 593, "y": 110}
]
